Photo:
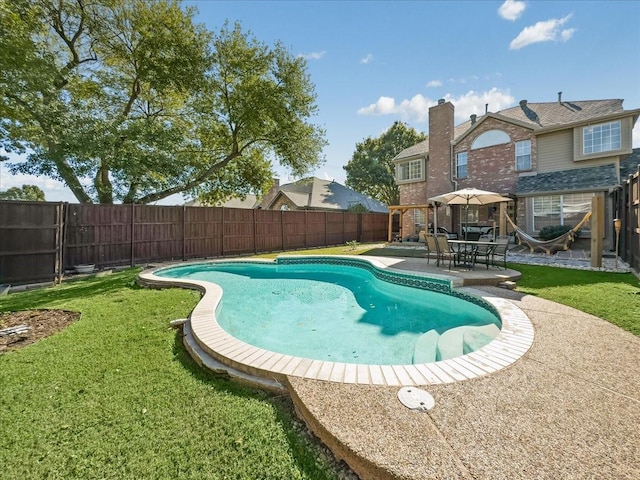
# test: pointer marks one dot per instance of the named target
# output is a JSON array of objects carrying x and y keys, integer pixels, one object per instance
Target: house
[
  {"x": 307, "y": 194},
  {"x": 551, "y": 158},
  {"x": 316, "y": 194}
]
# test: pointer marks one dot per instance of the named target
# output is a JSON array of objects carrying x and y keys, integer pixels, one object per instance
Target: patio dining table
[{"x": 467, "y": 250}]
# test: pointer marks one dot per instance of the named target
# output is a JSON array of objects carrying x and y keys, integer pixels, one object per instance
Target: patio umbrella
[{"x": 469, "y": 196}]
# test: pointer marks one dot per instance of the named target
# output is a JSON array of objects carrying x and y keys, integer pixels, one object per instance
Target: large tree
[
  {"x": 25, "y": 193},
  {"x": 371, "y": 170},
  {"x": 130, "y": 100}
]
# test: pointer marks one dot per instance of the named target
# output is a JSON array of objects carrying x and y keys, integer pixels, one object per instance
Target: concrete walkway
[{"x": 568, "y": 409}]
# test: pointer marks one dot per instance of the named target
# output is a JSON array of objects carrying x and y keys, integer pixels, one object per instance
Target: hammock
[{"x": 549, "y": 246}]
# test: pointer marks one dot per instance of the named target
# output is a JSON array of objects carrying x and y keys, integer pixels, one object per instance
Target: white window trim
[
  {"x": 591, "y": 128},
  {"x": 521, "y": 142},
  {"x": 466, "y": 165},
  {"x": 419, "y": 161},
  {"x": 491, "y": 138}
]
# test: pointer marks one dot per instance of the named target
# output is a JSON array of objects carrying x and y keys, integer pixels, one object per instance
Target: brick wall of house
[
  {"x": 494, "y": 168},
  {"x": 414, "y": 193},
  {"x": 441, "y": 133}
]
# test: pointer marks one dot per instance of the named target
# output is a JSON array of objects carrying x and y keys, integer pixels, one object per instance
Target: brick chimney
[{"x": 440, "y": 137}]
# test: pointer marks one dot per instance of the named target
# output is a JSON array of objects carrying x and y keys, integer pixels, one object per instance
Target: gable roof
[
  {"x": 315, "y": 193},
  {"x": 538, "y": 116}
]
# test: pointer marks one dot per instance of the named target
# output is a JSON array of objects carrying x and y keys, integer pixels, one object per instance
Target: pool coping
[{"x": 513, "y": 341}]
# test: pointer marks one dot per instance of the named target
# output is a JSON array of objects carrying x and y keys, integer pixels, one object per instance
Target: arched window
[{"x": 489, "y": 138}]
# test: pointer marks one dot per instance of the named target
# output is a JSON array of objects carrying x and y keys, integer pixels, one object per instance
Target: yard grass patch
[
  {"x": 115, "y": 396},
  {"x": 614, "y": 297}
]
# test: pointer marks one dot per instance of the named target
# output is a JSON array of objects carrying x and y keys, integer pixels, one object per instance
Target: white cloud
[
  {"x": 547, "y": 31},
  {"x": 313, "y": 55},
  {"x": 417, "y": 108},
  {"x": 474, "y": 103},
  {"x": 511, "y": 9},
  {"x": 434, "y": 83},
  {"x": 367, "y": 59}
]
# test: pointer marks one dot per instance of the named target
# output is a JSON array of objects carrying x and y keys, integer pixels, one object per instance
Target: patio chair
[
  {"x": 499, "y": 252},
  {"x": 445, "y": 251},
  {"x": 483, "y": 253},
  {"x": 432, "y": 247}
]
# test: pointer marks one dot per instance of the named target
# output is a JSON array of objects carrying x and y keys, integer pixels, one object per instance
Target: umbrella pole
[{"x": 466, "y": 220}]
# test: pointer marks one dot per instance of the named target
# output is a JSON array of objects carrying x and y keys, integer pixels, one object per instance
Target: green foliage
[
  {"x": 25, "y": 193},
  {"x": 143, "y": 103},
  {"x": 115, "y": 395},
  {"x": 352, "y": 244},
  {"x": 357, "y": 208},
  {"x": 371, "y": 170},
  {"x": 554, "y": 231}
]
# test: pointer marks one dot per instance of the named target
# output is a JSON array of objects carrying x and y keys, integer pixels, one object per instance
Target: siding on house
[{"x": 625, "y": 140}]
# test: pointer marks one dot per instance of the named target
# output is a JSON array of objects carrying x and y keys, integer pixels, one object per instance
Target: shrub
[{"x": 554, "y": 231}]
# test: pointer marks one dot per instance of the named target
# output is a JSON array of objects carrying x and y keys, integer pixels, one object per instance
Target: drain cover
[{"x": 416, "y": 399}]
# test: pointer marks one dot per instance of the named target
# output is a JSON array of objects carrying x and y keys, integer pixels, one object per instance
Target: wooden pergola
[{"x": 403, "y": 209}]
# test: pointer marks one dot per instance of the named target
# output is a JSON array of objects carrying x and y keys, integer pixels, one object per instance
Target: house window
[
  {"x": 552, "y": 210},
  {"x": 601, "y": 138},
  {"x": 410, "y": 170},
  {"x": 523, "y": 155},
  {"x": 461, "y": 165},
  {"x": 490, "y": 138}
]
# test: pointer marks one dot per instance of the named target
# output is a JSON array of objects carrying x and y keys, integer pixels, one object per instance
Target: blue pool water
[{"x": 341, "y": 313}]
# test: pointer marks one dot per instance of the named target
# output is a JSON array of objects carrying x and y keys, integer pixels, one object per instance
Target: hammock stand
[{"x": 549, "y": 246}]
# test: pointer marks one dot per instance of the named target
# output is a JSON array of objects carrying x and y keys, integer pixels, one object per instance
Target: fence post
[
  {"x": 597, "y": 230},
  {"x": 306, "y": 228},
  {"x": 222, "y": 232},
  {"x": 326, "y": 223},
  {"x": 58, "y": 257},
  {"x": 184, "y": 233},
  {"x": 282, "y": 228},
  {"x": 133, "y": 219},
  {"x": 255, "y": 232}
]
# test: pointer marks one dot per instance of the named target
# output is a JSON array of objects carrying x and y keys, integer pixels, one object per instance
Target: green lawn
[
  {"x": 614, "y": 297},
  {"x": 115, "y": 396}
]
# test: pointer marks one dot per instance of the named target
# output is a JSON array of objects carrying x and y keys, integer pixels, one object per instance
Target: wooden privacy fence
[
  {"x": 629, "y": 213},
  {"x": 39, "y": 241}
]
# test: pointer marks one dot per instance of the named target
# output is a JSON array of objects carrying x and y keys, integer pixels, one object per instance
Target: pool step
[
  {"x": 455, "y": 342},
  {"x": 425, "y": 349}
]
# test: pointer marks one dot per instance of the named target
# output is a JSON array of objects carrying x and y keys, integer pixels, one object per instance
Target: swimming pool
[
  {"x": 343, "y": 313},
  {"x": 234, "y": 331}
]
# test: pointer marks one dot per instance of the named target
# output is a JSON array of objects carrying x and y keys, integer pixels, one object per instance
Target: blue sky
[{"x": 375, "y": 62}]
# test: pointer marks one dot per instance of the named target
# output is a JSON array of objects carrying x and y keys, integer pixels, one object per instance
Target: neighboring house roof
[
  {"x": 315, "y": 193},
  {"x": 579, "y": 179},
  {"x": 538, "y": 116},
  {"x": 629, "y": 165}
]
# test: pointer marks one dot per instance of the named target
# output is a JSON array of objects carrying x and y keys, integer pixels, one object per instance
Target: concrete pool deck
[{"x": 568, "y": 408}]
